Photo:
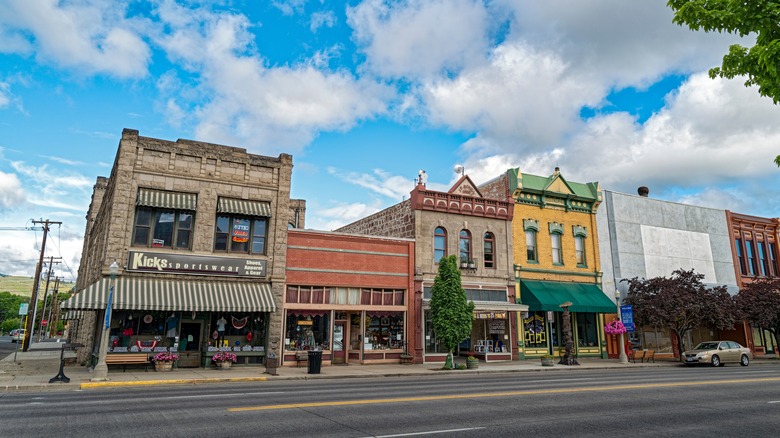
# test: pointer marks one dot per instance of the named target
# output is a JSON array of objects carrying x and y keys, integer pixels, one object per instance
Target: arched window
[
  {"x": 490, "y": 250},
  {"x": 464, "y": 245},
  {"x": 439, "y": 244}
]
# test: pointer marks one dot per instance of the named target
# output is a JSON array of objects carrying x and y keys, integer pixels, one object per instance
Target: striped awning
[
  {"x": 161, "y": 199},
  {"x": 152, "y": 294},
  {"x": 242, "y": 206}
]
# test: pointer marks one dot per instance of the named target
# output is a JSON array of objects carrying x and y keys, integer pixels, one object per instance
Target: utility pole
[
  {"x": 45, "y": 298},
  {"x": 54, "y": 314},
  {"x": 30, "y": 324}
]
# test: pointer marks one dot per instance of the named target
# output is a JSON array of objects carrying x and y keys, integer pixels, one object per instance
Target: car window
[
  {"x": 733, "y": 345},
  {"x": 707, "y": 346}
]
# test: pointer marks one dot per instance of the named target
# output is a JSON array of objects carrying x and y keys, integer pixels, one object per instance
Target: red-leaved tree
[
  {"x": 759, "y": 304},
  {"x": 680, "y": 303}
]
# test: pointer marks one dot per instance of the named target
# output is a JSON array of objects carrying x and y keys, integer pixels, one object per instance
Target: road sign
[
  {"x": 44, "y": 322},
  {"x": 23, "y": 308},
  {"x": 627, "y": 317}
]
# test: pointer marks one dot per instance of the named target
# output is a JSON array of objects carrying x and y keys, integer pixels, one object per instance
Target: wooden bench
[
  {"x": 649, "y": 355},
  {"x": 128, "y": 359},
  {"x": 301, "y": 356},
  {"x": 637, "y": 354}
]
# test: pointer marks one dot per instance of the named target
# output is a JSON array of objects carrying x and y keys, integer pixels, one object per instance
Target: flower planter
[
  {"x": 472, "y": 364},
  {"x": 547, "y": 362},
  {"x": 226, "y": 365},
  {"x": 163, "y": 366}
]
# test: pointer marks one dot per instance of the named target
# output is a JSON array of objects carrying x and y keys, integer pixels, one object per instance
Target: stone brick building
[
  {"x": 200, "y": 233},
  {"x": 556, "y": 260},
  {"x": 754, "y": 245},
  {"x": 349, "y": 296},
  {"x": 477, "y": 229}
]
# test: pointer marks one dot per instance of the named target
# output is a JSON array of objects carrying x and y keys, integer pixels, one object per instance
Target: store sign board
[
  {"x": 627, "y": 317},
  {"x": 497, "y": 327},
  {"x": 489, "y": 315},
  {"x": 24, "y": 308},
  {"x": 166, "y": 263}
]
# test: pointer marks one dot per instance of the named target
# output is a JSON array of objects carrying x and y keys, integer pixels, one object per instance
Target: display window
[
  {"x": 587, "y": 330},
  {"x": 384, "y": 331},
  {"x": 432, "y": 345},
  {"x": 307, "y": 330},
  {"x": 534, "y": 329}
]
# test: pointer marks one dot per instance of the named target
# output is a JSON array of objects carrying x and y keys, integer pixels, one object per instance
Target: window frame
[
  {"x": 464, "y": 237},
  {"x": 489, "y": 240},
  {"x": 763, "y": 264},
  {"x": 740, "y": 256},
  {"x": 439, "y": 238},
  {"x": 579, "y": 253},
  {"x": 751, "y": 258},
  {"x": 531, "y": 251},
  {"x": 231, "y": 246},
  {"x": 556, "y": 237},
  {"x": 177, "y": 234}
]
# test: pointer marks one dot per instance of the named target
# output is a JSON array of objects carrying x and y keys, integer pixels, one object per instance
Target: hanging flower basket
[{"x": 614, "y": 328}]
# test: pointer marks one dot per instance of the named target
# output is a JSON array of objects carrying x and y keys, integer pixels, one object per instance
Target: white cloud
[
  {"x": 381, "y": 182},
  {"x": 53, "y": 188},
  {"x": 339, "y": 215},
  {"x": 279, "y": 109},
  {"x": 11, "y": 192},
  {"x": 92, "y": 36},
  {"x": 320, "y": 19},
  {"x": 419, "y": 38},
  {"x": 5, "y": 94}
]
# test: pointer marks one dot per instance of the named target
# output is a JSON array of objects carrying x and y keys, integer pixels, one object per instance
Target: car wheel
[
  {"x": 744, "y": 360},
  {"x": 715, "y": 361}
]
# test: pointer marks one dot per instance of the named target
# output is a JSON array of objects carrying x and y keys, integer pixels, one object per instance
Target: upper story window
[
  {"x": 242, "y": 226},
  {"x": 164, "y": 219},
  {"x": 740, "y": 256},
  {"x": 439, "y": 244},
  {"x": 773, "y": 258},
  {"x": 763, "y": 263},
  {"x": 489, "y": 250},
  {"x": 464, "y": 245},
  {"x": 531, "y": 227},
  {"x": 580, "y": 234},
  {"x": 751, "y": 258},
  {"x": 556, "y": 234}
]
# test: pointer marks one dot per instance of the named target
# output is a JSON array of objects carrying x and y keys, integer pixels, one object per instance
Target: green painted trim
[
  {"x": 579, "y": 230},
  {"x": 555, "y": 227},
  {"x": 531, "y": 224}
]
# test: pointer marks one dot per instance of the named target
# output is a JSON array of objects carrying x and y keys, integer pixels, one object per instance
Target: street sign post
[{"x": 627, "y": 317}]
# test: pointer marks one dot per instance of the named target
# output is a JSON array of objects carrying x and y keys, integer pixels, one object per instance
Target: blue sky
[{"x": 363, "y": 94}]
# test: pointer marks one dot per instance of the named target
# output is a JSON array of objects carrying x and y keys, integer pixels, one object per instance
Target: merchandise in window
[
  {"x": 587, "y": 330},
  {"x": 384, "y": 331},
  {"x": 307, "y": 330},
  {"x": 163, "y": 228},
  {"x": 240, "y": 234}
]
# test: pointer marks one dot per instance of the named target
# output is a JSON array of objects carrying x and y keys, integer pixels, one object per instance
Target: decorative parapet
[{"x": 429, "y": 200}]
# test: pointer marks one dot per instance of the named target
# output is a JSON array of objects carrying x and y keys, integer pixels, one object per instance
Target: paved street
[{"x": 650, "y": 401}]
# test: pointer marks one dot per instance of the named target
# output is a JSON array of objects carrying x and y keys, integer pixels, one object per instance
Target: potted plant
[
  {"x": 224, "y": 359},
  {"x": 164, "y": 361},
  {"x": 547, "y": 360},
  {"x": 472, "y": 363}
]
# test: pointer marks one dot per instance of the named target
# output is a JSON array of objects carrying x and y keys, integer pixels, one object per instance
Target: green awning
[
  {"x": 151, "y": 294},
  {"x": 162, "y": 199},
  {"x": 243, "y": 206},
  {"x": 549, "y": 295}
]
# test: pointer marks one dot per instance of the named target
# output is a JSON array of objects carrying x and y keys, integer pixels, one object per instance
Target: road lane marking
[
  {"x": 430, "y": 432},
  {"x": 773, "y": 402},
  {"x": 496, "y": 394}
]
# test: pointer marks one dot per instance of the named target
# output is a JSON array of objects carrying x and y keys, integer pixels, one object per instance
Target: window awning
[
  {"x": 161, "y": 199},
  {"x": 243, "y": 206},
  {"x": 549, "y": 295},
  {"x": 197, "y": 296}
]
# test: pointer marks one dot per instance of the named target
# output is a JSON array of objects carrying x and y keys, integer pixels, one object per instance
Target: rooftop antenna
[
  {"x": 422, "y": 177},
  {"x": 460, "y": 169}
]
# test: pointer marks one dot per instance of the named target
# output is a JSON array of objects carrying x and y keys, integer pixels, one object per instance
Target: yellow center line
[{"x": 497, "y": 394}]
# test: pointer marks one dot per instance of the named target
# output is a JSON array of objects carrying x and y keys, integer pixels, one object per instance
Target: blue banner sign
[
  {"x": 108, "y": 306},
  {"x": 627, "y": 317}
]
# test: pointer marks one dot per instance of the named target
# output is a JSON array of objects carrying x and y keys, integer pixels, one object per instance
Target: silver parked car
[{"x": 718, "y": 353}]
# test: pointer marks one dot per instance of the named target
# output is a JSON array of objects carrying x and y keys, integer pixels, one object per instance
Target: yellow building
[{"x": 556, "y": 259}]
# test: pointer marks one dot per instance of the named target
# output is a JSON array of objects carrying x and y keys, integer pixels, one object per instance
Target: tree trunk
[
  {"x": 450, "y": 362},
  {"x": 680, "y": 345}
]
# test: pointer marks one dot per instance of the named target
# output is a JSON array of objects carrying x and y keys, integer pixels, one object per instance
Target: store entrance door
[
  {"x": 339, "y": 350},
  {"x": 189, "y": 344}
]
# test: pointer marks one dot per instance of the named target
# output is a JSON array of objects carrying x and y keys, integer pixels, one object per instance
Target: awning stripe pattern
[
  {"x": 242, "y": 206},
  {"x": 549, "y": 295},
  {"x": 197, "y": 296},
  {"x": 161, "y": 199}
]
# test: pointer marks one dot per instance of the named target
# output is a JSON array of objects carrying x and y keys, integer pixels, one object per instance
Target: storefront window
[
  {"x": 490, "y": 335},
  {"x": 307, "y": 330},
  {"x": 587, "y": 330},
  {"x": 431, "y": 344},
  {"x": 534, "y": 329},
  {"x": 384, "y": 331}
]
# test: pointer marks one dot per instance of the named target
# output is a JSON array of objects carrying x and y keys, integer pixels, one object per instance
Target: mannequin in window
[
  {"x": 171, "y": 326},
  {"x": 221, "y": 323}
]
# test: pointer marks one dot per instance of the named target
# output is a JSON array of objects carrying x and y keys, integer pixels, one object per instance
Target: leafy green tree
[
  {"x": 9, "y": 324},
  {"x": 451, "y": 311},
  {"x": 759, "y": 304},
  {"x": 680, "y": 303},
  {"x": 9, "y": 305},
  {"x": 759, "y": 63}
]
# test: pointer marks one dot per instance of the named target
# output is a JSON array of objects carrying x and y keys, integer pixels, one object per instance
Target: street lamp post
[
  {"x": 622, "y": 358},
  {"x": 101, "y": 369}
]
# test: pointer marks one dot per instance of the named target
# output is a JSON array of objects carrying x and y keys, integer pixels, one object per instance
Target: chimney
[{"x": 643, "y": 191}]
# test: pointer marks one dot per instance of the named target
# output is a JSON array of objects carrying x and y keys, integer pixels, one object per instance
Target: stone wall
[{"x": 394, "y": 221}]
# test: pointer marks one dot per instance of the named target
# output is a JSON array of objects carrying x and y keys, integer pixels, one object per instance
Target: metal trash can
[
  {"x": 271, "y": 363},
  {"x": 315, "y": 361}
]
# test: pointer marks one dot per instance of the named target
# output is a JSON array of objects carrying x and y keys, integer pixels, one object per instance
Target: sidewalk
[{"x": 33, "y": 370}]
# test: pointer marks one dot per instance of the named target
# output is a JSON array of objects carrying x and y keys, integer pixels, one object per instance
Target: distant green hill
[{"x": 23, "y": 285}]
